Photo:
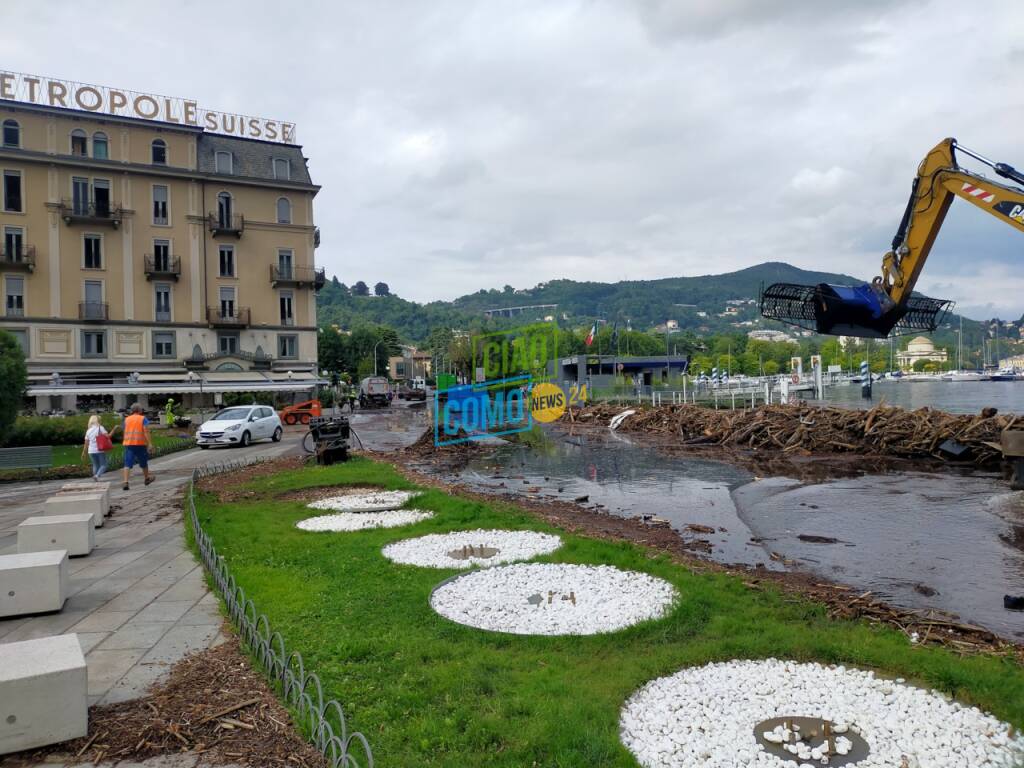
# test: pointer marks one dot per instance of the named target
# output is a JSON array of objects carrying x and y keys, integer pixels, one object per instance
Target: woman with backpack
[{"x": 97, "y": 443}]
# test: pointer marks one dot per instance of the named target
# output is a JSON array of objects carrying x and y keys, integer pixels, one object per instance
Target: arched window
[
  {"x": 100, "y": 149},
  {"x": 12, "y": 133},
  {"x": 79, "y": 143},
  {"x": 224, "y": 210},
  {"x": 284, "y": 211},
  {"x": 159, "y": 152}
]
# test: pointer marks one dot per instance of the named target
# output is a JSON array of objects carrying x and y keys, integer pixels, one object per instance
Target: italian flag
[{"x": 590, "y": 336}]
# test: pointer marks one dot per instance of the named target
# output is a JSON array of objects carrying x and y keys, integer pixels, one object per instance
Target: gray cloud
[{"x": 465, "y": 145}]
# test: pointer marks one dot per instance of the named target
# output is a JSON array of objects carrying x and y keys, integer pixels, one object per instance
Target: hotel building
[{"x": 153, "y": 257}]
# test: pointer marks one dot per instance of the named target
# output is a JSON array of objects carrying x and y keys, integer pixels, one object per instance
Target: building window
[
  {"x": 227, "y": 302},
  {"x": 227, "y": 261},
  {"x": 12, "y": 192},
  {"x": 285, "y": 304},
  {"x": 12, "y": 133},
  {"x": 282, "y": 169},
  {"x": 93, "y": 245},
  {"x": 284, "y": 211},
  {"x": 227, "y": 343},
  {"x": 224, "y": 162},
  {"x": 14, "y": 244},
  {"x": 160, "y": 194},
  {"x": 163, "y": 344},
  {"x": 79, "y": 143},
  {"x": 163, "y": 302},
  {"x": 14, "y": 292},
  {"x": 100, "y": 147},
  {"x": 161, "y": 255},
  {"x": 79, "y": 195},
  {"x": 285, "y": 262},
  {"x": 287, "y": 346},
  {"x": 224, "y": 210},
  {"x": 101, "y": 197},
  {"x": 21, "y": 336},
  {"x": 158, "y": 152},
  {"x": 94, "y": 343}
]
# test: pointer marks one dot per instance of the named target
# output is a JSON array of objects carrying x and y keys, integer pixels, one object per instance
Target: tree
[
  {"x": 360, "y": 289},
  {"x": 381, "y": 289},
  {"x": 336, "y": 282},
  {"x": 12, "y": 380}
]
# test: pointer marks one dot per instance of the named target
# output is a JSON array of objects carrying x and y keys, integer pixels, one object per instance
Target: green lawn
[
  {"x": 64, "y": 455},
  {"x": 429, "y": 692}
]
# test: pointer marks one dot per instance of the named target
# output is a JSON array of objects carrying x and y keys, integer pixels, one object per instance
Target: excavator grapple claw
[{"x": 848, "y": 310}]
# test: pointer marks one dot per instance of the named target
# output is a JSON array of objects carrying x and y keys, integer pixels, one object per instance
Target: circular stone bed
[
  {"x": 361, "y": 521},
  {"x": 365, "y": 501},
  {"x": 464, "y": 549},
  {"x": 706, "y": 716},
  {"x": 553, "y": 599}
]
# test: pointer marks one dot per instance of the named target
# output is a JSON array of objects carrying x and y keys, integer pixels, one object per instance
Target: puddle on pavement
[{"x": 952, "y": 542}]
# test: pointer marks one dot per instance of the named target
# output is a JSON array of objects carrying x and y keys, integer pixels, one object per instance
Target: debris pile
[{"x": 884, "y": 430}]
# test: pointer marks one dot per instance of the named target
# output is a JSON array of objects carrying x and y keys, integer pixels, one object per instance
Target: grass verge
[{"x": 428, "y": 692}]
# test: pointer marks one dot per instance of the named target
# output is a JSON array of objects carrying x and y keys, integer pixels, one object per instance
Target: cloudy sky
[{"x": 466, "y": 145}]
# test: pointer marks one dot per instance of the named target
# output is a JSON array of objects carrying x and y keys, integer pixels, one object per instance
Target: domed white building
[{"x": 919, "y": 348}]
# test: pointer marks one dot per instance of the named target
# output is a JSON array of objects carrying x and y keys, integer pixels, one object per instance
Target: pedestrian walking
[
  {"x": 137, "y": 444},
  {"x": 97, "y": 443}
]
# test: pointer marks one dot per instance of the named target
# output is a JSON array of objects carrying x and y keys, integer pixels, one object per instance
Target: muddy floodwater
[{"x": 953, "y": 542}]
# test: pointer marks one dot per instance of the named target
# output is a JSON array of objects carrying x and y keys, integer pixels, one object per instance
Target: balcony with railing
[
  {"x": 21, "y": 258},
  {"x": 91, "y": 212},
  {"x": 162, "y": 267},
  {"x": 236, "y": 317},
  {"x": 258, "y": 360},
  {"x": 231, "y": 225},
  {"x": 300, "y": 277},
  {"x": 93, "y": 311}
]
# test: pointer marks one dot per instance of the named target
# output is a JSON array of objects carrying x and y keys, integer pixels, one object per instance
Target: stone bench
[
  {"x": 73, "y": 503},
  {"x": 75, "y": 533},
  {"x": 77, "y": 489},
  {"x": 43, "y": 693},
  {"x": 34, "y": 582}
]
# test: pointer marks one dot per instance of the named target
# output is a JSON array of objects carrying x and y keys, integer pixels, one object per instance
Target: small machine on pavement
[{"x": 330, "y": 436}]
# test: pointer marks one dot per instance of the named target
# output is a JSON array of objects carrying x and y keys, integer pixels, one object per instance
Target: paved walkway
[{"x": 139, "y": 601}]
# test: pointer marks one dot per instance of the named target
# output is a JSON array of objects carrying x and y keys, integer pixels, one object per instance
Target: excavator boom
[{"x": 887, "y": 305}]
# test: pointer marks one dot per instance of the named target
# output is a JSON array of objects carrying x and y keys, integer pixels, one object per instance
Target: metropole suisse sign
[{"x": 50, "y": 92}]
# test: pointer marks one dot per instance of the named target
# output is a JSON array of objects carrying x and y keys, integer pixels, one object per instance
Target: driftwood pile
[{"x": 884, "y": 430}]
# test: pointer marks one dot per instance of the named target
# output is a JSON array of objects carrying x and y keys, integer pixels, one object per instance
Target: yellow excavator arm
[
  {"x": 887, "y": 305},
  {"x": 939, "y": 179}
]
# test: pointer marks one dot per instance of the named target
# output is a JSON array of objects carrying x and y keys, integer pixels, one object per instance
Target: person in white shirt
[{"x": 96, "y": 456}]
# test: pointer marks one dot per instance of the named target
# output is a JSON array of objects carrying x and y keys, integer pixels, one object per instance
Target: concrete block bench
[
  {"x": 75, "y": 533},
  {"x": 34, "y": 582},
  {"x": 73, "y": 503},
  {"x": 43, "y": 693},
  {"x": 76, "y": 489}
]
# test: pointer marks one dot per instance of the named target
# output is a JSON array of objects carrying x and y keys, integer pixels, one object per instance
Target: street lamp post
[{"x": 375, "y": 357}]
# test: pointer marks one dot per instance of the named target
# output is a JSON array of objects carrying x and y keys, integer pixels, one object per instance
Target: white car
[{"x": 240, "y": 425}]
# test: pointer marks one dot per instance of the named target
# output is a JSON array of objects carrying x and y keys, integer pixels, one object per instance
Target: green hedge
[
  {"x": 65, "y": 430},
  {"x": 70, "y": 471}
]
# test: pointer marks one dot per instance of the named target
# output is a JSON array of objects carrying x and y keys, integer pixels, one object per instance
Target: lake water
[{"x": 952, "y": 396}]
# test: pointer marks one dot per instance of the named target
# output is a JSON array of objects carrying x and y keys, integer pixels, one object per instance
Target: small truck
[{"x": 374, "y": 392}]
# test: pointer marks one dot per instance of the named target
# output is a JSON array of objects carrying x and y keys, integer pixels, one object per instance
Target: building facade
[
  {"x": 149, "y": 254},
  {"x": 919, "y": 348}
]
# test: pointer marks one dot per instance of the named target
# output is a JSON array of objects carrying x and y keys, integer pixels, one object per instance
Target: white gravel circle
[
  {"x": 553, "y": 599},
  {"x": 373, "y": 501},
  {"x": 705, "y": 716},
  {"x": 361, "y": 521},
  {"x": 432, "y": 551}
]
